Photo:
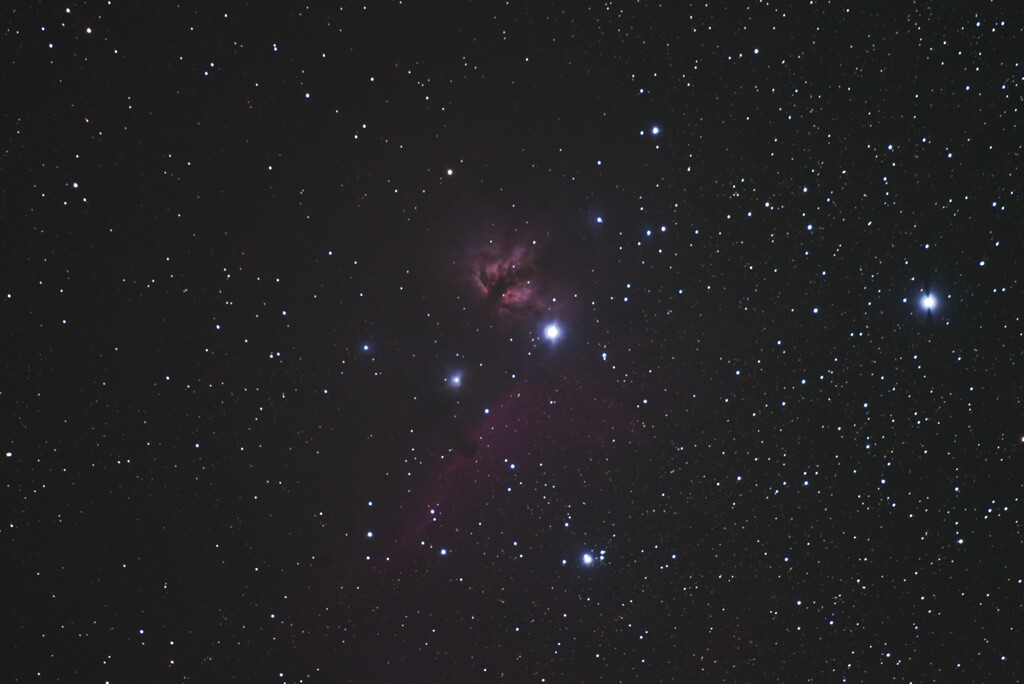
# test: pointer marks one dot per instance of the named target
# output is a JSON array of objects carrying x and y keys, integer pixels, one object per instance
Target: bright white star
[
  {"x": 928, "y": 301},
  {"x": 552, "y": 331},
  {"x": 587, "y": 559}
]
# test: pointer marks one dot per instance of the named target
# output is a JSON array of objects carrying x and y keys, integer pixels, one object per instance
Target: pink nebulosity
[
  {"x": 503, "y": 274},
  {"x": 560, "y": 419}
]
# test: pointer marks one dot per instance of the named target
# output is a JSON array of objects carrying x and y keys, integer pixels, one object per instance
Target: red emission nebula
[{"x": 502, "y": 273}]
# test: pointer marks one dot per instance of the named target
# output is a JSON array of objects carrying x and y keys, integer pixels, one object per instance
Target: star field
[{"x": 483, "y": 341}]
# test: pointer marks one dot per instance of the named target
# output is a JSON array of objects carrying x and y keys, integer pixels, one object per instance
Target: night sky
[{"x": 500, "y": 342}]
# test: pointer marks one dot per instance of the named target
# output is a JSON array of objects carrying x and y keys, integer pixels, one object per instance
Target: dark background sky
[{"x": 277, "y": 400}]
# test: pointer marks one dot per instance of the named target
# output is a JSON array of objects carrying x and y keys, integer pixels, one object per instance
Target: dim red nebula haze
[{"x": 503, "y": 274}]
